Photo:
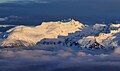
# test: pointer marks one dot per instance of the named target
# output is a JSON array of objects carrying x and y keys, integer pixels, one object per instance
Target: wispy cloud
[
  {"x": 25, "y": 1},
  {"x": 36, "y": 1},
  {"x": 3, "y": 19}
]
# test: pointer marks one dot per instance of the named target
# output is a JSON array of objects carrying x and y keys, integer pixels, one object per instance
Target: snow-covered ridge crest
[
  {"x": 29, "y": 36},
  {"x": 64, "y": 34},
  {"x": 111, "y": 39}
]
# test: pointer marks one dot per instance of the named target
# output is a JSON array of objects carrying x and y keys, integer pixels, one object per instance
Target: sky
[
  {"x": 1, "y": 1},
  {"x": 52, "y": 9},
  {"x": 82, "y": 6},
  {"x": 87, "y": 1}
]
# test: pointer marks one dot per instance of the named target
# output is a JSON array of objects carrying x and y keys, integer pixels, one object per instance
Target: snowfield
[
  {"x": 61, "y": 46},
  {"x": 64, "y": 34},
  {"x": 29, "y": 36}
]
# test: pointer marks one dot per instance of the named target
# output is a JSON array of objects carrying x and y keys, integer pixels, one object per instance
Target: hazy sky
[
  {"x": 71, "y": 7},
  {"x": 113, "y": 1},
  {"x": 1, "y": 1},
  {"x": 60, "y": 8}
]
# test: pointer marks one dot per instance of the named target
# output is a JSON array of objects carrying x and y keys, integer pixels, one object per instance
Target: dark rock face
[
  {"x": 96, "y": 45},
  {"x": 19, "y": 43}
]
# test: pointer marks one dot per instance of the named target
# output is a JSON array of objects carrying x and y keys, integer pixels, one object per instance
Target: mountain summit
[
  {"x": 29, "y": 36},
  {"x": 64, "y": 34}
]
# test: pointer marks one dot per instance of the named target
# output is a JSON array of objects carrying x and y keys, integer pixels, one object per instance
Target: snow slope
[
  {"x": 64, "y": 34},
  {"x": 29, "y": 36}
]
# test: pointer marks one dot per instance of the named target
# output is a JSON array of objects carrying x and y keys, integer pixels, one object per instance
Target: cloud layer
[{"x": 43, "y": 60}]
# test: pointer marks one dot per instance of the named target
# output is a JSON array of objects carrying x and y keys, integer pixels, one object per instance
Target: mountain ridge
[
  {"x": 46, "y": 30},
  {"x": 66, "y": 34}
]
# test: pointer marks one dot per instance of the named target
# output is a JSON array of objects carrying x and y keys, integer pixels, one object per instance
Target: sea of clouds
[{"x": 13, "y": 59}]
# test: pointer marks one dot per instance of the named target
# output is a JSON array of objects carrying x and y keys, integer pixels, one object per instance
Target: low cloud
[
  {"x": 43, "y": 60},
  {"x": 117, "y": 51},
  {"x": 3, "y": 19}
]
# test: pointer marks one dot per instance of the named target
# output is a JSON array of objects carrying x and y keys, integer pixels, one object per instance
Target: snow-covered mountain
[
  {"x": 64, "y": 34},
  {"x": 29, "y": 36},
  {"x": 107, "y": 40}
]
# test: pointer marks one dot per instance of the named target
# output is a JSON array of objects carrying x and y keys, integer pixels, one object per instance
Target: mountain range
[{"x": 63, "y": 34}]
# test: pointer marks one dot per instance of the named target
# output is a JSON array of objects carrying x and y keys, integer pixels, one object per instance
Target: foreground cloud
[{"x": 43, "y": 60}]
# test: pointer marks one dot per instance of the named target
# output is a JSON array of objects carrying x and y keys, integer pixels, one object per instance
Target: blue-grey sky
[
  {"x": 106, "y": 1},
  {"x": 1, "y": 1},
  {"x": 75, "y": 7},
  {"x": 52, "y": 9}
]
